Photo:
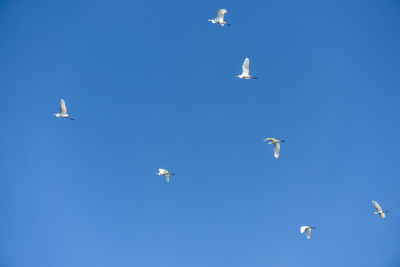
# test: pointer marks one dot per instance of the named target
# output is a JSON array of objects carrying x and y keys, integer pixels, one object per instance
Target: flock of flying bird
[{"x": 272, "y": 141}]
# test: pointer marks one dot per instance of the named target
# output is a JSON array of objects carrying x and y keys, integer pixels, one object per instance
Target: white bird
[
  {"x": 63, "y": 111},
  {"x": 379, "y": 210},
  {"x": 277, "y": 146},
  {"x": 220, "y": 18},
  {"x": 307, "y": 229},
  {"x": 245, "y": 70},
  {"x": 165, "y": 173}
]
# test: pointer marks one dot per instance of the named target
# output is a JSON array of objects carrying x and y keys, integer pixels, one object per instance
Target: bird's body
[
  {"x": 165, "y": 173},
  {"x": 306, "y": 229},
  {"x": 379, "y": 210},
  {"x": 220, "y": 18},
  {"x": 246, "y": 70},
  {"x": 63, "y": 111},
  {"x": 276, "y": 143}
]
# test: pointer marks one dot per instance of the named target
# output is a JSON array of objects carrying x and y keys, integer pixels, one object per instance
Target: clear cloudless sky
[{"x": 152, "y": 85}]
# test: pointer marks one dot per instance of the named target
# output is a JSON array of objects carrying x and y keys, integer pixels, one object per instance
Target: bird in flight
[
  {"x": 379, "y": 210},
  {"x": 63, "y": 111},
  {"x": 165, "y": 173},
  {"x": 307, "y": 229},
  {"x": 276, "y": 143},
  {"x": 245, "y": 71},
  {"x": 220, "y": 18}
]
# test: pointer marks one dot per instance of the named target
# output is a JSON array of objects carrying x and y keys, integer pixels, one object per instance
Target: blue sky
[{"x": 152, "y": 85}]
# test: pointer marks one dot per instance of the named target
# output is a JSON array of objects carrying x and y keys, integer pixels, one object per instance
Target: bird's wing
[
  {"x": 166, "y": 177},
  {"x": 63, "y": 107},
  {"x": 270, "y": 139},
  {"x": 376, "y": 205},
  {"x": 277, "y": 148},
  {"x": 220, "y": 14},
  {"x": 308, "y": 232},
  {"x": 245, "y": 66},
  {"x": 302, "y": 229}
]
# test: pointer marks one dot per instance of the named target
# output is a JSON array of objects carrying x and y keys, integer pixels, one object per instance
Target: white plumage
[
  {"x": 220, "y": 14},
  {"x": 246, "y": 70},
  {"x": 307, "y": 229},
  {"x": 245, "y": 66},
  {"x": 220, "y": 18},
  {"x": 63, "y": 111},
  {"x": 379, "y": 210},
  {"x": 63, "y": 107},
  {"x": 276, "y": 143},
  {"x": 165, "y": 173}
]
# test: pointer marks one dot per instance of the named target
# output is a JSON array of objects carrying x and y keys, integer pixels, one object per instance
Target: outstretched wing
[
  {"x": 220, "y": 14},
  {"x": 277, "y": 148},
  {"x": 245, "y": 66},
  {"x": 303, "y": 228},
  {"x": 376, "y": 205},
  {"x": 166, "y": 176},
  {"x": 270, "y": 139},
  {"x": 308, "y": 232},
  {"x": 63, "y": 107}
]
